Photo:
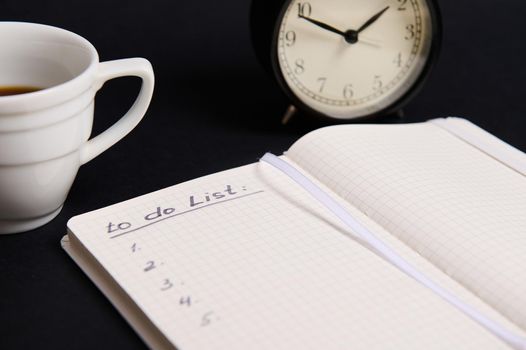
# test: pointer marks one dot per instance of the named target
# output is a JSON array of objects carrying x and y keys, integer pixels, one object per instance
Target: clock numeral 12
[{"x": 304, "y": 9}]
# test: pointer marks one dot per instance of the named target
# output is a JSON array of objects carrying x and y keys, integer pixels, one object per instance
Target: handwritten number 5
[{"x": 206, "y": 319}]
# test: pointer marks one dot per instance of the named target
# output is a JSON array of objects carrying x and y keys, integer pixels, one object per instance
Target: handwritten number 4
[{"x": 185, "y": 301}]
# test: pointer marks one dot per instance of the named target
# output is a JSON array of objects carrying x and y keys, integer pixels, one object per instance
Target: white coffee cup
[{"x": 44, "y": 135}]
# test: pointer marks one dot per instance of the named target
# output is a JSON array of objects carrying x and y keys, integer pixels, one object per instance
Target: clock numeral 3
[
  {"x": 348, "y": 92},
  {"x": 410, "y": 31},
  {"x": 300, "y": 66},
  {"x": 304, "y": 9},
  {"x": 402, "y": 7},
  {"x": 290, "y": 38}
]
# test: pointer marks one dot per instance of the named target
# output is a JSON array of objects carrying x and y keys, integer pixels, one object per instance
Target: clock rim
[{"x": 397, "y": 105}]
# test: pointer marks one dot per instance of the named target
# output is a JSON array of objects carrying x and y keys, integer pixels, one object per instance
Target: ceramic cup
[{"x": 44, "y": 135}]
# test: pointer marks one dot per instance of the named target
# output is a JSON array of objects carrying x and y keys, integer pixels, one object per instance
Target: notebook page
[
  {"x": 264, "y": 267},
  {"x": 453, "y": 204}
]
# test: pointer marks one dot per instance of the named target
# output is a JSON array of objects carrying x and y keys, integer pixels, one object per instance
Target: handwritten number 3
[{"x": 167, "y": 284}]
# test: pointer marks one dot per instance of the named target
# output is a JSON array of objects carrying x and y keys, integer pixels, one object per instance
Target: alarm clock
[{"x": 347, "y": 59}]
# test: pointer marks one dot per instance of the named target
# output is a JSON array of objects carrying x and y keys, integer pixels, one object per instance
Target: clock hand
[
  {"x": 370, "y": 42},
  {"x": 351, "y": 36},
  {"x": 323, "y": 25},
  {"x": 372, "y": 20}
]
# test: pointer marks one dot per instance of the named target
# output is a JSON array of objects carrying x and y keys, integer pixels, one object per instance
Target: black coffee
[{"x": 17, "y": 90}]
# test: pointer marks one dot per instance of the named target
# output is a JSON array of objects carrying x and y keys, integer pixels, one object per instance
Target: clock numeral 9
[
  {"x": 300, "y": 66},
  {"x": 348, "y": 92},
  {"x": 410, "y": 31},
  {"x": 377, "y": 83},
  {"x": 304, "y": 9},
  {"x": 402, "y": 7},
  {"x": 290, "y": 38}
]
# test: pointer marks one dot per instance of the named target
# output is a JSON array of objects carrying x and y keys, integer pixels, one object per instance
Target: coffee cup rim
[{"x": 54, "y": 94}]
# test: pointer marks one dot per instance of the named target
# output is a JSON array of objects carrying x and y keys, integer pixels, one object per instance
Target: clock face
[{"x": 352, "y": 58}]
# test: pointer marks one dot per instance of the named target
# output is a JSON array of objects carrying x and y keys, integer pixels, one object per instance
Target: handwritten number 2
[{"x": 150, "y": 265}]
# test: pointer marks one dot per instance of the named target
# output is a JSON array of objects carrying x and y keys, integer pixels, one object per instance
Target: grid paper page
[
  {"x": 456, "y": 206},
  {"x": 264, "y": 267}
]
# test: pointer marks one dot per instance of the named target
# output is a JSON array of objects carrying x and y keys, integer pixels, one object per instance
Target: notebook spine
[{"x": 517, "y": 342}]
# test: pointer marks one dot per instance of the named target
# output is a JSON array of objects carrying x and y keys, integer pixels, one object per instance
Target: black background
[{"x": 214, "y": 108}]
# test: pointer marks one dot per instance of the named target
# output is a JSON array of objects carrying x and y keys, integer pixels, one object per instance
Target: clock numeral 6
[
  {"x": 304, "y": 9},
  {"x": 348, "y": 92},
  {"x": 402, "y": 7},
  {"x": 300, "y": 66},
  {"x": 290, "y": 38},
  {"x": 410, "y": 28}
]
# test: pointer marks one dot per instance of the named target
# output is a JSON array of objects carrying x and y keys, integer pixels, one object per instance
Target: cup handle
[{"x": 138, "y": 67}]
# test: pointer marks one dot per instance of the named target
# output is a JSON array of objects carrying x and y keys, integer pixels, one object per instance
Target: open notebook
[{"x": 247, "y": 259}]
